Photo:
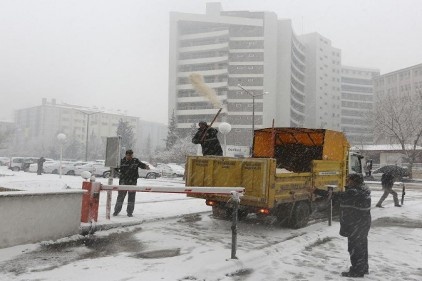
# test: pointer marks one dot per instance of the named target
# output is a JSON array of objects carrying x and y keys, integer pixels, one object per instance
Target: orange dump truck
[{"x": 287, "y": 165}]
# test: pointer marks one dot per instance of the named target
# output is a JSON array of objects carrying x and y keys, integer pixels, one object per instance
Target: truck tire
[
  {"x": 300, "y": 215},
  {"x": 219, "y": 212}
]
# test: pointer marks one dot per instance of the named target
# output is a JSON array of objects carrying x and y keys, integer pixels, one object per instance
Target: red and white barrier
[{"x": 90, "y": 200}]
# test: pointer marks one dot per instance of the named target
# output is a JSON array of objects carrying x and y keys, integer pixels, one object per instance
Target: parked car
[
  {"x": 152, "y": 173},
  {"x": 53, "y": 167},
  {"x": 21, "y": 163},
  {"x": 4, "y": 161},
  {"x": 171, "y": 170},
  {"x": 69, "y": 169},
  {"x": 398, "y": 172},
  {"x": 33, "y": 168},
  {"x": 97, "y": 169}
]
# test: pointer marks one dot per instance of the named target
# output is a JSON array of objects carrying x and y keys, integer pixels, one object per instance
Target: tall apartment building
[
  {"x": 323, "y": 73},
  {"x": 40, "y": 125},
  {"x": 357, "y": 100},
  {"x": 262, "y": 54},
  {"x": 228, "y": 49}
]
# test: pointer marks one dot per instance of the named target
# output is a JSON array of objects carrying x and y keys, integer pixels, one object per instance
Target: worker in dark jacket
[
  {"x": 387, "y": 182},
  {"x": 207, "y": 137},
  {"x": 128, "y": 175},
  {"x": 355, "y": 222}
]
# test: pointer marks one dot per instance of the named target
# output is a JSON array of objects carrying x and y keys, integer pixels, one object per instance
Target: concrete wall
[{"x": 29, "y": 217}]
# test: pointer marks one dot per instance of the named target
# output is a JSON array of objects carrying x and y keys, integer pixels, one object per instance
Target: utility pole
[{"x": 87, "y": 114}]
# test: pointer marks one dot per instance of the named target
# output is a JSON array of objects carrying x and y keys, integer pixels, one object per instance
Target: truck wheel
[
  {"x": 242, "y": 214},
  {"x": 300, "y": 215},
  {"x": 219, "y": 212}
]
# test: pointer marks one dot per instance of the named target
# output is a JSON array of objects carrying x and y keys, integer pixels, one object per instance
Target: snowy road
[{"x": 175, "y": 238}]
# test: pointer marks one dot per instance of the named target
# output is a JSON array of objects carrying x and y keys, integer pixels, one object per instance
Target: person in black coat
[
  {"x": 355, "y": 222},
  {"x": 387, "y": 182},
  {"x": 40, "y": 164},
  {"x": 128, "y": 175},
  {"x": 207, "y": 137}
]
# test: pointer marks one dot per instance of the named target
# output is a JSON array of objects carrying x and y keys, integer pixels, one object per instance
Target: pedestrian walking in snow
[
  {"x": 128, "y": 175},
  {"x": 387, "y": 182},
  {"x": 40, "y": 164},
  {"x": 355, "y": 222},
  {"x": 207, "y": 137}
]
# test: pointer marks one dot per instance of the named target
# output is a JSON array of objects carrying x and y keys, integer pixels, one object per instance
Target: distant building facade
[
  {"x": 357, "y": 101},
  {"x": 39, "y": 126},
  {"x": 407, "y": 80}
]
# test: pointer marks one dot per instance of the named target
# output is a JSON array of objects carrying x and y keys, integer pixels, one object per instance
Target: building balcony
[
  {"x": 209, "y": 47},
  {"x": 203, "y": 60},
  {"x": 211, "y": 85},
  {"x": 204, "y": 72},
  {"x": 210, "y": 111},
  {"x": 202, "y": 35},
  {"x": 199, "y": 99},
  {"x": 246, "y": 50}
]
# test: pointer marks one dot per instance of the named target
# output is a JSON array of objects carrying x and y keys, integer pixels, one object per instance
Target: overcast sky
[{"x": 114, "y": 54}]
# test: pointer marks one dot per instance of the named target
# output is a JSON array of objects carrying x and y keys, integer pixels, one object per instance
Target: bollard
[
  {"x": 90, "y": 201},
  {"x": 403, "y": 193},
  {"x": 330, "y": 206},
  {"x": 235, "y": 200}
]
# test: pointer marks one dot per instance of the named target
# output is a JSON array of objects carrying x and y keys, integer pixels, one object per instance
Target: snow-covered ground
[{"x": 173, "y": 237}]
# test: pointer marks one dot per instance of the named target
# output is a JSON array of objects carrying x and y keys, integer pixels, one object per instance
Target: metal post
[
  {"x": 61, "y": 158},
  {"x": 235, "y": 200},
  {"x": 253, "y": 110},
  {"x": 109, "y": 197},
  {"x": 253, "y": 118},
  {"x": 86, "y": 141},
  {"x": 330, "y": 209},
  {"x": 403, "y": 192}
]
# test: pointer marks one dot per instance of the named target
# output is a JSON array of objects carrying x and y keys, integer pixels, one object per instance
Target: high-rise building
[
  {"x": 323, "y": 73},
  {"x": 242, "y": 55},
  {"x": 227, "y": 49},
  {"x": 357, "y": 99}
]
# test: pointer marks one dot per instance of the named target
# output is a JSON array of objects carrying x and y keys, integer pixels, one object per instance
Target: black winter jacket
[
  {"x": 355, "y": 208},
  {"x": 210, "y": 144},
  {"x": 128, "y": 171}
]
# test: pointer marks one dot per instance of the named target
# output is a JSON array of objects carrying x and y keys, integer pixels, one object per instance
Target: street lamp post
[
  {"x": 88, "y": 114},
  {"x": 253, "y": 107},
  {"x": 61, "y": 138}
]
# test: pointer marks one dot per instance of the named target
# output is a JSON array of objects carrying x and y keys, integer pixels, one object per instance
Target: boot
[{"x": 351, "y": 274}]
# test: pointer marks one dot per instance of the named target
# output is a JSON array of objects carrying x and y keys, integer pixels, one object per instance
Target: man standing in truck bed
[{"x": 207, "y": 137}]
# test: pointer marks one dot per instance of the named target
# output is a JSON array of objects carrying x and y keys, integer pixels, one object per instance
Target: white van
[{"x": 21, "y": 163}]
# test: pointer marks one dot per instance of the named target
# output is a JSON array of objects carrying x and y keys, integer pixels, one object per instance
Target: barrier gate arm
[
  {"x": 167, "y": 189},
  {"x": 90, "y": 201}
]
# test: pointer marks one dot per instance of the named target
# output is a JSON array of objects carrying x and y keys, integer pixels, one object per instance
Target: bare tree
[{"x": 399, "y": 120}]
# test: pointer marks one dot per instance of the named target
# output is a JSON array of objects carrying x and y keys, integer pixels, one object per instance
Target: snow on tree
[
  {"x": 399, "y": 119},
  {"x": 125, "y": 131}
]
